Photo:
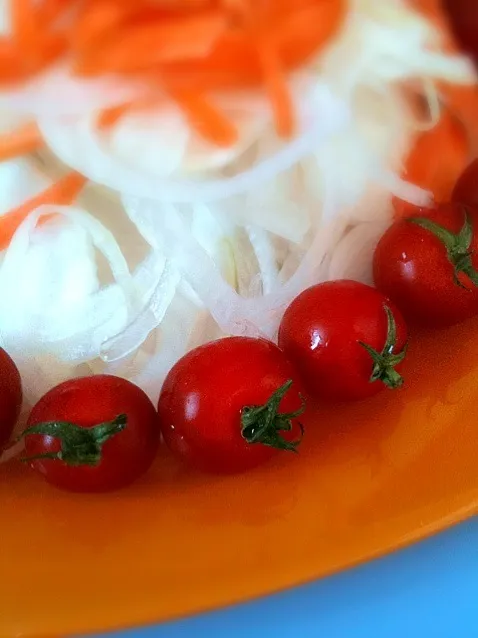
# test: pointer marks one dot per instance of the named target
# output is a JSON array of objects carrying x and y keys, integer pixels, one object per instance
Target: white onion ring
[
  {"x": 56, "y": 93},
  {"x": 78, "y": 147}
]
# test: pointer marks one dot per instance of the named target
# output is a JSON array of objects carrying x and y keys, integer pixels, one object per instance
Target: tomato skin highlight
[
  {"x": 10, "y": 396},
  {"x": 204, "y": 393},
  {"x": 411, "y": 267},
  {"x": 86, "y": 402},
  {"x": 321, "y": 332},
  {"x": 466, "y": 188}
]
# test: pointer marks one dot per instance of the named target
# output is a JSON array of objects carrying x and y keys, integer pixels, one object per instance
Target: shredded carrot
[
  {"x": 276, "y": 86},
  {"x": 11, "y": 66},
  {"x": 51, "y": 10},
  {"x": 111, "y": 116},
  {"x": 193, "y": 46},
  {"x": 63, "y": 192},
  {"x": 180, "y": 5},
  {"x": 205, "y": 118},
  {"x": 33, "y": 46},
  {"x": 24, "y": 140},
  {"x": 437, "y": 159},
  {"x": 24, "y": 26},
  {"x": 101, "y": 19},
  {"x": 140, "y": 46},
  {"x": 301, "y": 33}
]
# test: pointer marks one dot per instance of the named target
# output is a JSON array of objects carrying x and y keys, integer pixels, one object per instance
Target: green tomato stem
[
  {"x": 264, "y": 423},
  {"x": 384, "y": 362},
  {"x": 79, "y": 446},
  {"x": 457, "y": 246}
]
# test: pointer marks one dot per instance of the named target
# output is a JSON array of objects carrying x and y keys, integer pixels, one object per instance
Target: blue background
[{"x": 429, "y": 590}]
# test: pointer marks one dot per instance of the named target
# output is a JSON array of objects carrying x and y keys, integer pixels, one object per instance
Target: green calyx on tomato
[
  {"x": 457, "y": 246},
  {"x": 79, "y": 445},
  {"x": 384, "y": 362},
  {"x": 264, "y": 423}
]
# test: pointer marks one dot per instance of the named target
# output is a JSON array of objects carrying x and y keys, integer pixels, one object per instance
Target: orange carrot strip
[
  {"x": 296, "y": 35},
  {"x": 98, "y": 20},
  {"x": 110, "y": 116},
  {"x": 62, "y": 193},
  {"x": 24, "y": 27},
  {"x": 51, "y": 10},
  {"x": 180, "y": 5},
  {"x": 302, "y": 33},
  {"x": 20, "y": 142},
  {"x": 276, "y": 86},
  {"x": 11, "y": 66},
  {"x": 142, "y": 46},
  {"x": 206, "y": 119},
  {"x": 36, "y": 46},
  {"x": 52, "y": 47}
]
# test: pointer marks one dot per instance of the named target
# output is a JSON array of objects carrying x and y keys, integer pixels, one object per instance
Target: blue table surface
[{"x": 429, "y": 590}]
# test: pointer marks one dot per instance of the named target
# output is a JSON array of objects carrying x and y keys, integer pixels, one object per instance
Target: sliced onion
[
  {"x": 389, "y": 42},
  {"x": 233, "y": 313},
  {"x": 129, "y": 339},
  {"x": 19, "y": 181},
  {"x": 402, "y": 189},
  {"x": 352, "y": 257},
  {"x": 77, "y": 145},
  {"x": 149, "y": 369},
  {"x": 327, "y": 194},
  {"x": 434, "y": 107},
  {"x": 103, "y": 314},
  {"x": 170, "y": 232},
  {"x": 57, "y": 93},
  {"x": 264, "y": 250}
]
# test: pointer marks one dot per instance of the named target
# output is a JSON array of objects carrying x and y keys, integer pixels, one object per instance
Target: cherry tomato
[
  {"x": 427, "y": 265},
  {"x": 464, "y": 19},
  {"x": 92, "y": 434},
  {"x": 10, "y": 396},
  {"x": 466, "y": 188},
  {"x": 229, "y": 405},
  {"x": 345, "y": 339}
]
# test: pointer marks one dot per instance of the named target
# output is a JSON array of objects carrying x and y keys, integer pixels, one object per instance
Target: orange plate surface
[{"x": 369, "y": 478}]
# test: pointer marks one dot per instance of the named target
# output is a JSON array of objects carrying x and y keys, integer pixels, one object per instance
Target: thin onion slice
[
  {"x": 152, "y": 314},
  {"x": 77, "y": 145},
  {"x": 352, "y": 257},
  {"x": 56, "y": 93}
]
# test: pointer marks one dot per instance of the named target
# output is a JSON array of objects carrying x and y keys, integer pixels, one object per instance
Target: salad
[{"x": 176, "y": 171}]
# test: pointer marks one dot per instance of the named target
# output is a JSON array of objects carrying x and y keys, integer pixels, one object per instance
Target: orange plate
[{"x": 369, "y": 478}]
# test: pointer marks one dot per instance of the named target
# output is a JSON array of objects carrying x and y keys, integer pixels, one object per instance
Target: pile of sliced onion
[{"x": 231, "y": 236}]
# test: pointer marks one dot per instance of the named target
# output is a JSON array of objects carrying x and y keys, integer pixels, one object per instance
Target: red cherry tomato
[
  {"x": 466, "y": 188},
  {"x": 345, "y": 339},
  {"x": 427, "y": 265},
  {"x": 10, "y": 396},
  {"x": 228, "y": 405},
  {"x": 92, "y": 434},
  {"x": 464, "y": 19}
]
